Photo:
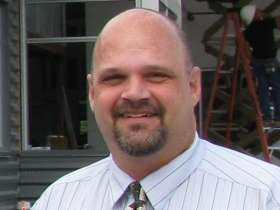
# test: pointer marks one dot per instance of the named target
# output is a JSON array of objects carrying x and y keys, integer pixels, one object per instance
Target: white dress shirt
[{"x": 204, "y": 177}]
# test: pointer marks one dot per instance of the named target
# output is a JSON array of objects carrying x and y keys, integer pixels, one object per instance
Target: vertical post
[{"x": 24, "y": 78}]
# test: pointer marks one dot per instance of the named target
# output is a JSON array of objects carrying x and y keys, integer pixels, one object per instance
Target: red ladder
[{"x": 242, "y": 57}]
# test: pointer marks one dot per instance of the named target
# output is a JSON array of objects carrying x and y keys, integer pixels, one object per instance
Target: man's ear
[
  {"x": 90, "y": 91},
  {"x": 195, "y": 84}
]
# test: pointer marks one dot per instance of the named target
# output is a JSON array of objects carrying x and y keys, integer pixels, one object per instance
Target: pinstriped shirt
[{"x": 204, "y": 177}]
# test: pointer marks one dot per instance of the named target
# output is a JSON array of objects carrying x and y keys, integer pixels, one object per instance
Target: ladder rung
[
  {"x": 274, "y": 148},
  {"x": 219, "y": 111},
  {"x": 214, "y": 70},
  {"x": 224, "y": 129},
  {"x": 221, "y": 124},
  {"x": 223, "y": 87},
  {"x": 226, "y": 71},
  {"x": 271, "y": 128}
]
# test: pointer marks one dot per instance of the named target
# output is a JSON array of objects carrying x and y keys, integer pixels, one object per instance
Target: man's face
[{"x": 141, "y": 92}]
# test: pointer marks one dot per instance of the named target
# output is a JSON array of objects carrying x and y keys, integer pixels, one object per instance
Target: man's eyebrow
[
  {"x": 158, "y": 68},
  {"x": 107, "y": 71},
  {"x": 146, "y": 69}
]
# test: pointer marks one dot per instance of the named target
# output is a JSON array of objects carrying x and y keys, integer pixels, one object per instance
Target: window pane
[
  {"x": 71, "y": 19},
  {"x": 57, "y": 94}
]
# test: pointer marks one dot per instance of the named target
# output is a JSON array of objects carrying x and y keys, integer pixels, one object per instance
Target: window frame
[{"x": 25, "y": 41}]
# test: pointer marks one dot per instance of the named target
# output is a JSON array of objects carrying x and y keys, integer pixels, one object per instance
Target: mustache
[{"x": 137, "y": 107}]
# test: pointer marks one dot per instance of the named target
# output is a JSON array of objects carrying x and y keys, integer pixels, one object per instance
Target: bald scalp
[{"x": 144, "y": 20}]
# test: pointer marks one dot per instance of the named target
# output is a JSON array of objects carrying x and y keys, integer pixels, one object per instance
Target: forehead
[
  {"x": 139, "y": 20},
  {"x": 138, "y": 32}
]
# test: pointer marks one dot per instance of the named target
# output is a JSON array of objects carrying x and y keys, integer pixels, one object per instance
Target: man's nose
[{"x": 135, "y": 89}]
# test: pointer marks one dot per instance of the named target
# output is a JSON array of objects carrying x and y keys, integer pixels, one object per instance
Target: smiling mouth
[
  {"x": 137, "y": 110},
  {"x": 130, "y": 115}
]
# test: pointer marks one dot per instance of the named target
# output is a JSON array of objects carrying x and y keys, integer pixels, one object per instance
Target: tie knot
[
  {"x": 135, "y": 189},
  {"x": 138, "y": 195}
]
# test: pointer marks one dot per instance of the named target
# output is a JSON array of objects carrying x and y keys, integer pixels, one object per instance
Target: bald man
[{"x": 143, "y": 89}]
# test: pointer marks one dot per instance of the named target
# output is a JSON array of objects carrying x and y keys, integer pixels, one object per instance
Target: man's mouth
[
  {"x": 141, "y": 110},
  {"x": 142, "y": 115}
]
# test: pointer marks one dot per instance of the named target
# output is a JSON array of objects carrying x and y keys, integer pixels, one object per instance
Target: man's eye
[
  {"x": 158, "y": 77},
  {"x": 112, "y": 79}
]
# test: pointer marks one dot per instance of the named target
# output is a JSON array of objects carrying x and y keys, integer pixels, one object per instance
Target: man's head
[
  {"x": 143, "y": 86},
  {"x": 249, "y": 13}
]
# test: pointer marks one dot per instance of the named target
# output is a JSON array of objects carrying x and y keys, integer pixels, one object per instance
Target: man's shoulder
[
  {"x": 79, "y": 181},
  {"x": 84, "y": 173},
  {"x": 240, "y": 168}
]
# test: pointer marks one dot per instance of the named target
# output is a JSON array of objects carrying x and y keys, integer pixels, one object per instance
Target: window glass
[
  {"x": 57, "y": 92},
  {"x": 71, "y": 19}
]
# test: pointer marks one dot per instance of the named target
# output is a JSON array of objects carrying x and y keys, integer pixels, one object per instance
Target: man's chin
[{"x": 139, "y": 141}]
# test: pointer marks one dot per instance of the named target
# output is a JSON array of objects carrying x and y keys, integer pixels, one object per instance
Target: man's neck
[{"x": 139, "y": 167}]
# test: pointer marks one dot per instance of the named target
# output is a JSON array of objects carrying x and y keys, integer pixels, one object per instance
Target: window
[
  {"x": 163, "y": 8},
  {"x": 58, "y": 37}
]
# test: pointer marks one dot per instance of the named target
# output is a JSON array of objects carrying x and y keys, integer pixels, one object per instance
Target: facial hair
[{"x": 139, "y": 139}]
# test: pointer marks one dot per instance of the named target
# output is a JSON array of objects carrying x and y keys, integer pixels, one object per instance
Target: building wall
[
  {"x": 38, "y": 169},
  {"x": 10, "y": 105},
  {"x": 9, "y": 179},
  {"x": 14, "y": 76}
]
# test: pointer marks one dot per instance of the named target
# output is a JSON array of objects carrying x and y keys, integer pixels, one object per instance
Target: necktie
[{"x": 138, "y": 195}]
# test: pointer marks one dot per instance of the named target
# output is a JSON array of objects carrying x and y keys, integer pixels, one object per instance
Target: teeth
[{"x": 137, "y": 115}]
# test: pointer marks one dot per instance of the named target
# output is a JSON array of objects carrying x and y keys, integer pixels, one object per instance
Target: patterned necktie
[{"x": 138, "y": 195}]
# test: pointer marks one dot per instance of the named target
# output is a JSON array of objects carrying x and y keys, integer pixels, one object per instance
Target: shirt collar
[
  {"x": 119, "y": 179},
  {"x": 160, "y": 184}
]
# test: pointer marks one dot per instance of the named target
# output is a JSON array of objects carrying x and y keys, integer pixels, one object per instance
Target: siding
[
  {"x": 38, "y": 169},
  {"x": 9, "y": 179},
  {"x": 9, "y": 162},
  {"x": 14, "y": 76}
]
